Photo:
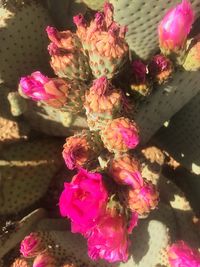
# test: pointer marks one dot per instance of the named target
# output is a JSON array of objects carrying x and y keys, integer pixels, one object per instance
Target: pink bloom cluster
[
  {"x": 84, "y": 201},
  {"x": 180, "y": 254}
]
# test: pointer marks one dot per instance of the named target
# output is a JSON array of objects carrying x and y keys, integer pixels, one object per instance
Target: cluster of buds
[
  {"x": 103, "y": 203},
  {"x": 34, "y": 252},
  {"x": 104, "y": 41}
]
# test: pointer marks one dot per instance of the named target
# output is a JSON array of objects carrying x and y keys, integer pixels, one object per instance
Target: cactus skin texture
[
  {"x": 192, "y": 60},
  {"x": 11, "y": 130},
  {"x": 26, "y": 171},
  {"x": 94, "y": 4},
  {"x": 24, "y": 42},
  {"x": 47, "y": 119},
  {"x": 142, "y": 18},
  {"x": 24, "y": 226}
]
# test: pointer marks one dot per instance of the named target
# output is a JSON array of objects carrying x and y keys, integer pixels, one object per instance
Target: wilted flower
[
  {"x": 175, "y": 27},
  {"x": 80, "y": 150},
  {"x": 44, "y": 260},
  {"x": 181, "y": 255},
  {"x": 144, "y": 199},
  {"x": 83, "y": 200},
  {"x": 139, "y": 80},
  {"x": 104, "y": 41},
  {"x": 109, "y": 239},
  {"x": 120, "y": 135},
  {"x": 32, "y": 245},
  {"x": 160, "y": 68}
]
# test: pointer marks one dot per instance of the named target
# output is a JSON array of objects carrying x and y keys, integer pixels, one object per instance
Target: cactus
[
  {"x": 104, "y": 42},
  {"x": 94, "y": 4},
  {"x": 142, "y": 19},
  {"x": 24, "y": 42},
  {"x": 68, "y": 59},
  {"x": 192, "y": 60},
  {"x": 63, "y": 12},
  {"x": 11, "y": 129},
  {"x": 102, "y": 103},
  {"x": 120, "y": 135},
  {"x": 9, "y": 240},
  {"x": 47, "y": 119},
  {"x": 26, "y": 171}
]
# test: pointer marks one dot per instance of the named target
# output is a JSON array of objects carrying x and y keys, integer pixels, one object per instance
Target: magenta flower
[
  {"x": 32, "y": 245},
  {"x": 180, "y": 254},
  {"x": 83, "y": 200},
  {"x": 175, "y": 27},
  {"x": 33, "y": 86},
  {"x": 109, "y": 239}
]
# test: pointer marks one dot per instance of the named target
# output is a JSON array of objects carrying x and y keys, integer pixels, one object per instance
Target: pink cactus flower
[
  {"x": 83, "y": 200},
  {"x": 181, "y": 255},
  {"x": 32, "y": 245},
  {"x": 175, "y": 27},
  {"x": 41, "y": 88},
  {"x": 108, "y": 240},
  {"x": 33, "y": 86},
  {"x": 44, "y": 260}
]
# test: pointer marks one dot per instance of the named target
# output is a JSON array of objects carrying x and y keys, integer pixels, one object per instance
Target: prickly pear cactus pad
[
  {"x": 23, "y": 42},
  {"x": 142, "y": 18},
  {"x": 94, "y": 4},
  {"x": 11, "y": 130},
  {"x": 26, "y": 170}
]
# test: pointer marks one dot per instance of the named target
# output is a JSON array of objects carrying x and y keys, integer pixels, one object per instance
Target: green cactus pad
[
  {"x": 24, "y": 42},
  {"x": 53, "y": 121},
  {"x": 11, "y": 130},
  {"x": 94, "y": 4},
  {"x": 26, "y": 170}
]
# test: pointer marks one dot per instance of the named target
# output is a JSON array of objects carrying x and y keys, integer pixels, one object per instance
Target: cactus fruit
[
  {"x": 102, "y": 103},
  {"x": 192, "y": 60},
  {"x": 144, "y": 199},
  {"x": 120, "y": 135},
  {"x": 81, "y": 150},
  {"x": 160, "y": 68},
  {"x": 125, "y": 169},
  {"x": 26, "y": 171},
  {"x": 104, "y": 42},
  {"x": 68, "y": 59},
  {"x": 23, "y": 46},
  {"x": 94, "y": 4}
]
